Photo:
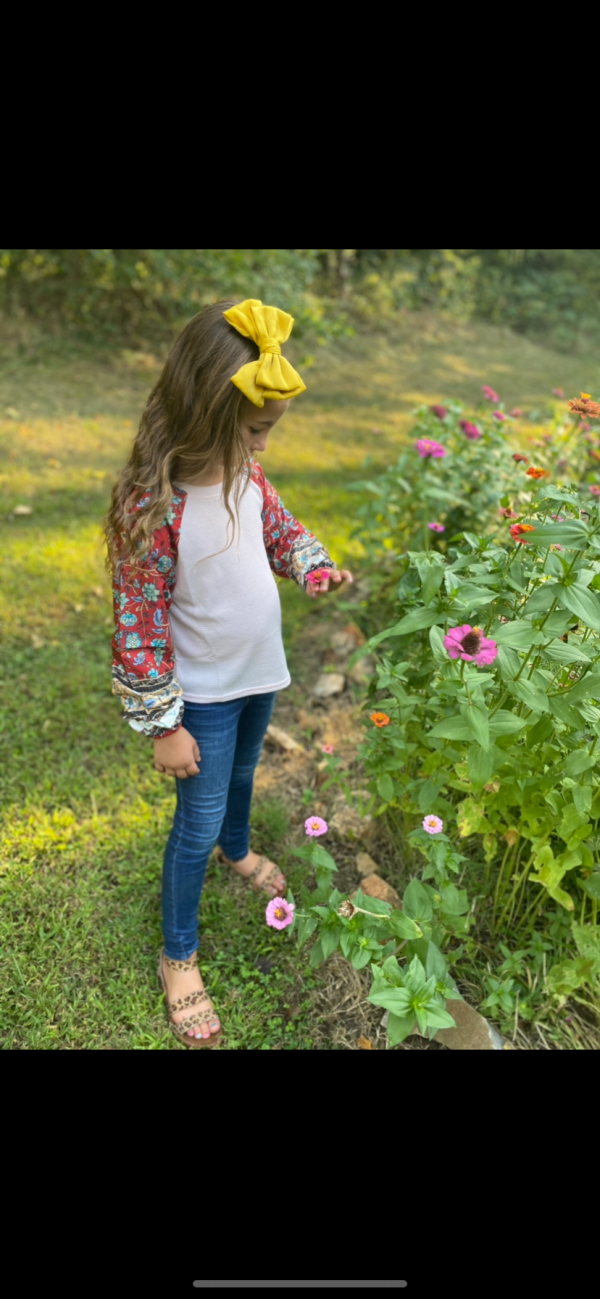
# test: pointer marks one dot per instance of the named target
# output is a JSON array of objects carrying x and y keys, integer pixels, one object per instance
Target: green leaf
[
  {"x": 402, "y": 926},
  {"x": 587, "y": 688},
  {"x": 416, "y": 620},
  {"x": 329, "y": 940},
  {"x": 306, "y": 927},
  {"x": 579, "y": 761},
  {"x": 320, "y": 857},
  {"x": 542, "y": 598},
  {"x": 451, "y": 728},
  {"x": 565, "y": 712},
  {"x": 361, "y": 957},
  {"x": 416, "y": 902},
  {"x": 473, "y": 597},
  {"x": 571, "y": 534},
  {"x": 584, "y": 604},
  {"x": 505, "y": 723},
  {"x": 519, "y": 634},
  {"x": 454, "y": 901},
  {"x": 535, "y": 699},
  {"x": 587, "y": 943},
  {"x": 569, "y": 653},
  {"x": 592, "y": 886},
  {"x": 316, "y": 954},
  {"x": 480, "y": 764},
  {"x": 400, "y": 1027},
  {"x": 431, "y": 582},
  {"x": 385, "y": 788},
  {"x": 436, "y": 640},
  {"x": 477, "y": 718},
  {"x": 439, "y": 1017}
]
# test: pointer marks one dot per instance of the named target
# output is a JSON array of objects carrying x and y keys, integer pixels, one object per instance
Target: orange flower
[
  {"x": 518, "y": 528},
  {"x": 380, "y": 719},
  {"x": 535, "y": 473},
  {"x": 584, "y": 406}
]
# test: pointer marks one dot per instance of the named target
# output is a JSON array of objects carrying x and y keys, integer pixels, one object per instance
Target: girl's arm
[
  {"x": 292, "y": 550},
  {"x": 143, "y": 659}
]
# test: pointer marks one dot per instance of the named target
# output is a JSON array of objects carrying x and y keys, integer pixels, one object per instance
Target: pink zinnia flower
[
  {"x": 507, "y": 513},
  {"x": 516, "y": 413},
  {"x": 433, "y": 825},
  {"x": 436, "y": 527},
  {"x": 315, "y": 825},
  {"x": 470, "y": 644},
  {"x": 279, "y": 913},
  {"x": 426, "y": 448},
  {"x": 328, "y": 748},
  {"x": 558, "y": 518},
  {"x": 584, "y": 428},
  {"x": 470, "y": 430},
  {"x": 595, "y": 489},
  {"x": 319, "y": 575},
  {"x": 440, "y": 411},
  {"x": 489, "y": 393},
  {"x": 497, "y": 414},
  {"x": 558, "y": 392}
]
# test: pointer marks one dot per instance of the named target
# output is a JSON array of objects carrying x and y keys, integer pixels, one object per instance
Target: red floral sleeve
[
  {"x": 292, "y": 550},
  {"x": 143, "y": 659}
]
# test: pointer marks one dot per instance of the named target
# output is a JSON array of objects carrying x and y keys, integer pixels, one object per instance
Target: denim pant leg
[
  {"x": 234, "y": 838},
  {"x": 201, "y": 803}
]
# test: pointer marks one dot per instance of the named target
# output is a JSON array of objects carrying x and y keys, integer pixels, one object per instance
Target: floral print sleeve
[
  {"x": 143, "y": 659},
  {"x": 292, "y": 550}
]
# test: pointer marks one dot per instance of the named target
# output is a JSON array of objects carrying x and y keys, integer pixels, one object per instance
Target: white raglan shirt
[{"x": 225, "y": 615}]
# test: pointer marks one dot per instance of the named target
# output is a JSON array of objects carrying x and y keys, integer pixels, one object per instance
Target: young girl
[{"x": 198, "y": 655}]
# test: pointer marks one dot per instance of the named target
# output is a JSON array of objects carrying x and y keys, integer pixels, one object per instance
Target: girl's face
[{"x": 256, "y": 422}]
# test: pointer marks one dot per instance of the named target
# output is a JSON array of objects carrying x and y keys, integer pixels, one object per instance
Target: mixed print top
[{"x": 207, "y": 626}]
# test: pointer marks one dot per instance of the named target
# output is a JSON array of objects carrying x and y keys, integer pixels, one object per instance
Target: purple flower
[
  {"x": 470, "y": 430},
  {"x": 427, "y": 448},
  {"x": 558, "y": 392},
  {"x": 489, "y": 393},
  {"x": 497, "y": 414},
  {"x": 433, "y": 825},
  {"x": 440, "y": 411},
  {"x": 515, "y": 413},
  {"x": 436, "y": 527},
  {"x": 470, "y": 644},
  {"x": 315, "y": 825}
]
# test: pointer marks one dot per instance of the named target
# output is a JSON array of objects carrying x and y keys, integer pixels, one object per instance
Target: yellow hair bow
[{"x": 271, "y": 376}]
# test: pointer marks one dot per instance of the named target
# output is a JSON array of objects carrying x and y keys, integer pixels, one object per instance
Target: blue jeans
[{"x": 212, "y": 807}]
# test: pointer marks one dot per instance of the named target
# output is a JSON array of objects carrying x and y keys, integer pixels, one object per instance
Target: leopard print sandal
[
  {"x": 266, "y": 884},
  {"x": 181, "y": 1030}
]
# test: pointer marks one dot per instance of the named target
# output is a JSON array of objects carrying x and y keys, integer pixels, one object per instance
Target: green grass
[{"x": 84, "y": 817}]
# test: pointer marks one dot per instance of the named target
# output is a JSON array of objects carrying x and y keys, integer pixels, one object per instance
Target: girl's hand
[
  {"x": 177, "y": 754},
  {"x": 318, "y": 588}
]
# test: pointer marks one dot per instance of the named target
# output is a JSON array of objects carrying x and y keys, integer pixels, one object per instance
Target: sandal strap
[
  {"x": 192, "y": 999},
  {"x": 181, "y": 965},
  {"x": 268, "y": 879},
  {"x": 192, "y": 1022}
]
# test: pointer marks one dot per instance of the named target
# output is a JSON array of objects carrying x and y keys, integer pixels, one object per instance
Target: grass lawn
[{"x": 83, "y": 815}]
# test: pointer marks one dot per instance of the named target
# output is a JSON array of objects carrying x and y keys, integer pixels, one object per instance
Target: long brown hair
[{"x": 191, "y": 419}]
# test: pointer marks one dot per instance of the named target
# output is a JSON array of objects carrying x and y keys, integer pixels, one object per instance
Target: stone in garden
[
  {"x": 343, "y": 643},
  {"x": 365, "y": 864},
  {"x": 283, "y": 740},
  {"x": 345, "y": 822},
  {"x": 328, "y": 684},
  {"x": 362, "y": 671},
  {"x": 375, "y": 887}
]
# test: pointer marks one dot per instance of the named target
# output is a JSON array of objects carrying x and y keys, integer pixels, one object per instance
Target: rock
[
  {"x": 365, "y": 864},
  {"x": 329, "y": 683},
  {"x": 375, "y": 887},
  {"x": 345, "y": 823},
  {"x": 343, "y": 643},
  {"x": 472, "y": 1032},
  {"x": 362, "y": 671},
  {"x": 284, "y": 741}
]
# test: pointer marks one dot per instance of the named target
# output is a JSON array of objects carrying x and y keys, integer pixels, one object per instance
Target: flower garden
[{"x": 481, "y": 722}]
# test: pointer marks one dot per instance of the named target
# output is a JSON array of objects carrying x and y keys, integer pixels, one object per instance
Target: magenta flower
[
  {"x": 558, "y": 518},
  {"x": 433, "y": 825},
  {"x": 426, "y": 448},
  {"x": 470, "y": 644},
  {"x": 470, "y": 430},
  {"x": 516, "y": 413},
  {"x": 315, "y": 825},
  {"x": 595, "y": 489},
  {"x": 489, "y": 393},
  {"x": 279, "y": 913},
  {"x": 436, "y": 527},
  {"x": 327, "y": 748},
  {"x": 558, "y": 392},
  {"x": 440, "y": 411},
  {"x": 497, "y": 414}
]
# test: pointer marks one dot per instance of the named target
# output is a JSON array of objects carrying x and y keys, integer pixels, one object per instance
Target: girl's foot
[
  {"x": 183, "y": 983},
  {"x": 249, "y": 863}
]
